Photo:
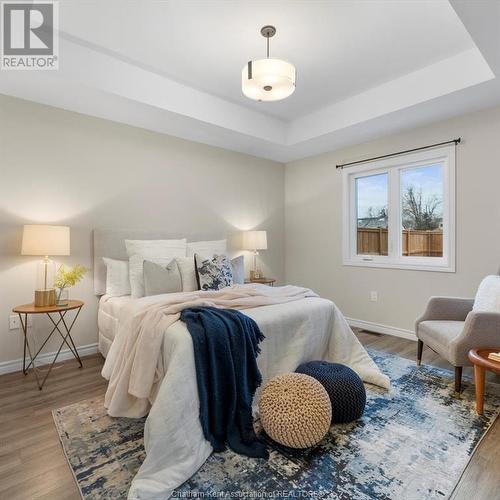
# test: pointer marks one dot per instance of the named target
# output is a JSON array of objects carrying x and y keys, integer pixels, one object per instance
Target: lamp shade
[
  {"x": 268, "y": 79},
  {"x": 39, "y": 239},
  {"x": 254, "y": 240}
]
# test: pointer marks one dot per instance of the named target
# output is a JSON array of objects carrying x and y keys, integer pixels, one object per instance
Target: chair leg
[
  {"x": 420, "y": 346},
  {"x": 458, "y": 379}
]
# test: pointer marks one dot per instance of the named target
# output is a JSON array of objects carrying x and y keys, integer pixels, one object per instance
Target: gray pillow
[
  {"x": 238, "y": 267},
  {"x": 214, "y": 273},
  {"x": 160, "y": 278}
]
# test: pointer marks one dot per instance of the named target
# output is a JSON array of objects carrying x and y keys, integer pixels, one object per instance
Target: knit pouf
[
  {"x": 295, "y": 410},
  {"x": 343, "y": 385}
]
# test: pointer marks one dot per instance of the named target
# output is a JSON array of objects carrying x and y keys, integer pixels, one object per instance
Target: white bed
[
  {"x": 307, "y": 329},
  {"x": 107, "y": 319}
]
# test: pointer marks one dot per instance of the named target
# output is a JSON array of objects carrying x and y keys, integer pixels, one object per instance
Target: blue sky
[
  {"x": 429, "y": 179},
  {"x": 372, "y": 190}
]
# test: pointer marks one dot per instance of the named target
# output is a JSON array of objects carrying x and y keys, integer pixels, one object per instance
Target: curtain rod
[{"x": 455, "y": 141}]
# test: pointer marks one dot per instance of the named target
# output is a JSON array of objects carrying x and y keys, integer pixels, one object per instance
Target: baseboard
[
  {"x": 16, "y": 365},
  {"x": 378, "y": 328}
]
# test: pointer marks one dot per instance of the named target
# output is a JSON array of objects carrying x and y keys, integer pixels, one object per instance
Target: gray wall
[
  {"x": 313, "y": 224},
  {"x": 64, "y": 168}
]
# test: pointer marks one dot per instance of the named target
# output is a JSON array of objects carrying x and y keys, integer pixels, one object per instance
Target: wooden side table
[
  {"x": 262, "y": 281},
  {"x": 479, "y": 358},
  {"x": 60, "y": 312}
]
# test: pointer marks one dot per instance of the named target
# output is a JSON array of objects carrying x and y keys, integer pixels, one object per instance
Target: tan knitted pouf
[{"x": 295, "y": 410}]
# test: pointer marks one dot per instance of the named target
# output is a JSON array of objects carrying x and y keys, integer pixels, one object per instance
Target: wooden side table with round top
[
  {"x": 60, "y": 312},
  {"x": 479, "y": 358},
  {"x": 262, "y": 281}
]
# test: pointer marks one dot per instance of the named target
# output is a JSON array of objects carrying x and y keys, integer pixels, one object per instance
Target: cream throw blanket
[{"x": 132, "y": 363}]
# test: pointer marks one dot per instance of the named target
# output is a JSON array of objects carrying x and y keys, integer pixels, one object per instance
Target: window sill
[{"x": 400, "y": 265}]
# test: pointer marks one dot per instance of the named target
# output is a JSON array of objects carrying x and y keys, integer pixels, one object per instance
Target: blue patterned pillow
[{"x": 214, "y": 273}]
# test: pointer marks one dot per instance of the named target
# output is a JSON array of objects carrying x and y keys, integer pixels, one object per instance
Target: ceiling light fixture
[{"x": 268, "y": 79}]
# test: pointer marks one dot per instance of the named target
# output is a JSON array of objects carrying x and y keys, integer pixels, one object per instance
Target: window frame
[{"x": 393, "y": 167}]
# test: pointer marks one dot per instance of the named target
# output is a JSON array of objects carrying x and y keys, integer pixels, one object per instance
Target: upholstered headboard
[{"x": 111, "y": 243}]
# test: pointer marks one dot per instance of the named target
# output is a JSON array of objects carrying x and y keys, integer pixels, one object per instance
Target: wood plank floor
[{"x": 33, "y": 466}]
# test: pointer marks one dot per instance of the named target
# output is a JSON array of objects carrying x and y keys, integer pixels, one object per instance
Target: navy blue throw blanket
[{"x": 226, "y": 345}]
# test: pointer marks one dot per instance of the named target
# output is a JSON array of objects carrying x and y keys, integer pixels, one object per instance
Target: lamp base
[
  {"x": 256, "y": 274},
  {"x": 45, "y": 297}
]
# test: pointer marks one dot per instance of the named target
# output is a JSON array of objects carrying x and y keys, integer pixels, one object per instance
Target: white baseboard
[
  {"x": 16, "y": 365},
  {"x": 378, "y": 328}
]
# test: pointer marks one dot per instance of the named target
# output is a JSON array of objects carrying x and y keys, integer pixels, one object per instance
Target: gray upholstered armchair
[{"x": 451, "y": 328}]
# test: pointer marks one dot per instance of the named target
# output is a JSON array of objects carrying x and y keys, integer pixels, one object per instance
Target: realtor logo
[{"x": 29, "y": 36}]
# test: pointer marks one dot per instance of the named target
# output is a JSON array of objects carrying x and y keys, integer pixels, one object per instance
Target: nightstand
[
  {"x": 262, "y": 281},
  {"x": 60, "y": 312}
]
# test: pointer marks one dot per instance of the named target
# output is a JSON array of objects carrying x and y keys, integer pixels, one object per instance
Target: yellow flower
[{"x": 69, "y": 278}]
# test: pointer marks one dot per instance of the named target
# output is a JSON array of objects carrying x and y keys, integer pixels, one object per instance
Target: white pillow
[
  {"x": 188, "y": 273},
  {"x": 488, "y": 295},
  {"x": 157, "y": 251},
  {"x": 117, "y": 277},
  {"x": 207, "y": 248},
  {"x": 162, "y": 249}
]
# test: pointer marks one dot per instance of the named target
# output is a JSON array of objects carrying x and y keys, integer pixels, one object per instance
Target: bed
[
  {"x": 307, "y": 329},
  {"x": 107, "y": 319}
]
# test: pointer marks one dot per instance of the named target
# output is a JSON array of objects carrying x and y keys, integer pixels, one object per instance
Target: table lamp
[
  {"x": 39, "y": 239},
  {"x": 255, "y": 240}
]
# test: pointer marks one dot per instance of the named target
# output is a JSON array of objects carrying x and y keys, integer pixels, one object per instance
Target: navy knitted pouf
[{"x": 343, "y": 385}]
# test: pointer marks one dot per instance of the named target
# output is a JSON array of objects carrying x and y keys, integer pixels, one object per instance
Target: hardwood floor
[{"x": 32, "y": 463}]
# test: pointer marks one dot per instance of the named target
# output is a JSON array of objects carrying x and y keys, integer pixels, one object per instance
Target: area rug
[{"x": 412, "y": 443}]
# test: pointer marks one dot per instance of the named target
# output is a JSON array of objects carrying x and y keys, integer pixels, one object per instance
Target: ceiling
[
  {"x": 205, "y": 44},
  {"x": 364, "y": 68}
]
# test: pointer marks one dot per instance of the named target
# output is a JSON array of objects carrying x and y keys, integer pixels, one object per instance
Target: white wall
[
  {"x": 64, "y": 168},
  {"x": 313, "y": 224}
]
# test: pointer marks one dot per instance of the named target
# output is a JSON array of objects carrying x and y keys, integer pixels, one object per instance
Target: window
[{"x": 399, "y": 212}]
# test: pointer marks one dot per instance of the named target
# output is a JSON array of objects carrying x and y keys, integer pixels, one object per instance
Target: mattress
[
  {"x": 107, "y": 319},
  {"x": 109, "y": 312}
]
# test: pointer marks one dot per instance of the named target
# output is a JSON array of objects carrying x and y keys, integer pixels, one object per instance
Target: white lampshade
[
  {"x": 254, "y": 240},
  {"x": 39, "y": 239},
  {"x": 268, "y": 79}
]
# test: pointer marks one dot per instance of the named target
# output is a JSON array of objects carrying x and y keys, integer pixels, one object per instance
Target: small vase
[{"x": 62, "y": 297}]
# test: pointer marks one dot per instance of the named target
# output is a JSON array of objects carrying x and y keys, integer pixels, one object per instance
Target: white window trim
[{"x": 393, "y": 166}]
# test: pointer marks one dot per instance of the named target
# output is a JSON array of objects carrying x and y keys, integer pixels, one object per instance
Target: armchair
[{"x": 450, "y": 327}]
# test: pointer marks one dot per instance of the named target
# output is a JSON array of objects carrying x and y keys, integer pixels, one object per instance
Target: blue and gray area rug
[{"x": 411, "y": 444}]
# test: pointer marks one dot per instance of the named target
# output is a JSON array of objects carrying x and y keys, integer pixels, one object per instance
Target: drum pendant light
[{"x": 268, "y": 79}]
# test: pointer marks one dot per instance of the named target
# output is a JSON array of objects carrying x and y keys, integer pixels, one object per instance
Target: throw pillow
[
  {"x": 238, "y": 268},
  {"x": 161, "y": 278},
  {"x": 488, "y": 295},
  {"x": 214, "y": 273},
  {"x": 188, "y": 274},
  {"x": 136, "y": 267}
]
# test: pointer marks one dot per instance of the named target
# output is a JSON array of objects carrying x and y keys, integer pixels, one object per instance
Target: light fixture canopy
[{"x": 268, "y": 79}]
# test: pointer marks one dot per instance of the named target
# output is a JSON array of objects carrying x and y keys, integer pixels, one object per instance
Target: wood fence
[{"x": 415, "y": 243}]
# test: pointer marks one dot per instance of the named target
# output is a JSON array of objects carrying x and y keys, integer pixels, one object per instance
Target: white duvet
[{"x": 307, "y": 329}]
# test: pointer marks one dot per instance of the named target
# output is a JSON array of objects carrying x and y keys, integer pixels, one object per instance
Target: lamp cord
[{"x": 268, "y": 47}]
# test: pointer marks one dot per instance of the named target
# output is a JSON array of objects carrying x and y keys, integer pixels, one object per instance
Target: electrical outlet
[
  {"x": 15, "y": 322},
  {"x": 373, "y": 296}
]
